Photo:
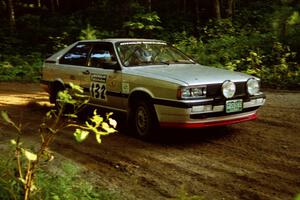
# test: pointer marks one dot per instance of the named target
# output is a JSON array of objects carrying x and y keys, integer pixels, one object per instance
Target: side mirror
[{"x": 111, "y": 65}]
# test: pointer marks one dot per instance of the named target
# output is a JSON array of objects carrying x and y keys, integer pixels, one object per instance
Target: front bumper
[
  {"x": 214, "y": 121},
  {"x": 207, "y": 113}
]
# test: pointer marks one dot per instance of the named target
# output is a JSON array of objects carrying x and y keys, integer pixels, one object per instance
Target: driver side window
[{"x": 101, "y": 55}]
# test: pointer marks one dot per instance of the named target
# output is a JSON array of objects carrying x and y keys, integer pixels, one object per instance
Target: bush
[
  {"x": 233, "y": 47},
  {"x": 63, "y": 181},
  {"x": 20, "y": 68},
  {"x": 67, "y": 183}
]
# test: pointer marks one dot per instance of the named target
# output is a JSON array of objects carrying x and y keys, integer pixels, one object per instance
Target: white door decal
[{"x": 98, "y": 90}]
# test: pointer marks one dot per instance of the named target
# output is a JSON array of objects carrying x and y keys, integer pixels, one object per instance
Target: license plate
[{"x": 235, "y": 105}]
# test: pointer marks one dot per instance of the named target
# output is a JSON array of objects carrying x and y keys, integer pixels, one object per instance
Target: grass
[{"x": 61, "y": 179}]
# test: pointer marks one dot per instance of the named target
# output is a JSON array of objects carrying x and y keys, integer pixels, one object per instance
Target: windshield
[{"x": 150, "y": 53}]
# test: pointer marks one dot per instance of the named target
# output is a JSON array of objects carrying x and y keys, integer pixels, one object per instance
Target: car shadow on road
[
  {"x": 190, "y": 136},
  {"x": 163, "y": 136},
  {"x": 168, "y": 136},
  {"x": 172, "y": 136}
]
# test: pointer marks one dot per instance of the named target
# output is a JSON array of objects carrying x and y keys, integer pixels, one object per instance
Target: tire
[{"x": 144, "y": 120}]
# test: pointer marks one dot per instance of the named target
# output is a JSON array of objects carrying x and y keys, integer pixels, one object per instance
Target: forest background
[{"x": 258, "y": 37}]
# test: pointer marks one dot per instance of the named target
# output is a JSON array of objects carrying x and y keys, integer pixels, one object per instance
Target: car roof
[{"x": 115, "y": 40}]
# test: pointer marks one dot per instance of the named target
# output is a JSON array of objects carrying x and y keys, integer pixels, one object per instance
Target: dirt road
[{"x": 257, "y": 160}]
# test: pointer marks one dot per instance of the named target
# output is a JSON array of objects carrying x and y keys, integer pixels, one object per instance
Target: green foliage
[
  {"x": 53, "y": 182},
  {"x": 276, "y": 68},
  {"x": 21, "y": 68},
  {"x": 58, "y": 42},
  {"x": 284, "y": 69},
  {"x": 192, "y": 46},
  {"x": 92, "y": 33},
  {"x": 67, "y": 183},
  {"x": 234, "y": 47},
  {"x": 251, "y": 64},
  {"x": 297, "y": 197},
  {"x": 294, "y": 18},
  {"x": 218, "y": 28},
  {"x": 255, "y": 27},
  {"x": 10, "y": 187},
  {"x": 105, "y": 34},
  {"x": 143, "y": 24},
  {"x": 99, "y": 126},
  {"x": 28, "y": 161},
  {"x": 285, "y": 25},
  {"x": 88, "y": 34},
  {"x": 81, "y": 135},
  {"x": 7, "y": 119},
  {"x": 284, "y": 20}
]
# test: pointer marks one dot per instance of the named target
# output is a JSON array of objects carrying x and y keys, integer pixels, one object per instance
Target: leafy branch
[{"x": 54, "y": 122}]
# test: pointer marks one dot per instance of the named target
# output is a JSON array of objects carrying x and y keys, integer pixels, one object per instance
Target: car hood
[{"x": 192, "y": 74}]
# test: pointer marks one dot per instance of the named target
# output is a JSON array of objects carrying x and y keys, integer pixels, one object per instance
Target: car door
[
  {"x": 104, "y": 82},
  {"x": 72, "y": 65}
]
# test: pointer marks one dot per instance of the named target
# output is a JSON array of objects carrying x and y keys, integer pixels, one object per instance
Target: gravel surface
[{"x": 257, "y": 160}]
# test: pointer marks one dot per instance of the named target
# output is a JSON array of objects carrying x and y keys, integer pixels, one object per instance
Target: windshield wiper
[
  {"x": 184, "y": 61},
  {"x": 164, "y": 62},
  {"x": 176, "y": 62}
]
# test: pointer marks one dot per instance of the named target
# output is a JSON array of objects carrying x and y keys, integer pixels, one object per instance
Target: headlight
[
  {"x": 228, "y": 89},
  {"x": 252, "y": 86},
  {"x": 191, "y": 92}
]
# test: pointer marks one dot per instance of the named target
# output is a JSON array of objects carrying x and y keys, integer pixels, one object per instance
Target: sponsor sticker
[
  {"x": 98, "y": 78},
  {"x": 125, "y": 88},
  {"x": 144, "y": 42}
]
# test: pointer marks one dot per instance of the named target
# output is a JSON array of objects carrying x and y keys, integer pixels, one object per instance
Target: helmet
[{"x": 143, "y": 55}]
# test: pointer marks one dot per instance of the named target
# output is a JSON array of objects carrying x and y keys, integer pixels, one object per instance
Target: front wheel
[{"x": 144, "y": 120}]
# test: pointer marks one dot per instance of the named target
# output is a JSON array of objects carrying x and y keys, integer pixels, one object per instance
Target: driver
[{"x": 141, "y": 56}]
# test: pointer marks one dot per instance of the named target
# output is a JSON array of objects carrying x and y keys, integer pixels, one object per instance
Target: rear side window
[{"x": 77, "y": 55}]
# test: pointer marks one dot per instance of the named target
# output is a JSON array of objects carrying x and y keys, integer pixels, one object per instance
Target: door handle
[{"x": 86, "y": 72}]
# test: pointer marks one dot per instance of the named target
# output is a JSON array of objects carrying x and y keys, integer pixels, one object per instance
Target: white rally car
[{"x": 155, "y": 84}]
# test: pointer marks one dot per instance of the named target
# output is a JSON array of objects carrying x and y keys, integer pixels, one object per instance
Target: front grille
[{"x": 215, "y": 90}]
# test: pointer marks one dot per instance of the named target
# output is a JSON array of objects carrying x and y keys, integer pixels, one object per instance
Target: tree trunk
[
  {"x": 11, "y": 12},
  {"x": 3, "y": 4},
  {"x": 229, "y": 12},
  {"x": 184, "y": 6},
  {"x": 149, "y": 5},
  {"x": 198, "y": 17},
  {"x": 216, "y": 9},
  {"x": 52, "y": 6},
  {"x": 197, "y": 12},
  {"x": 39, "y": 3},
  {"x": 283, "y": 27}
]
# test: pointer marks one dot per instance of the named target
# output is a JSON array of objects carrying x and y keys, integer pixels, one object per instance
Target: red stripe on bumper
[{"x": 208, "y": 124}]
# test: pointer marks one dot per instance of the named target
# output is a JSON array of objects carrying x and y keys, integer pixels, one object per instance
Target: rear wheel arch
[{"x": 55, "y": 87}]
